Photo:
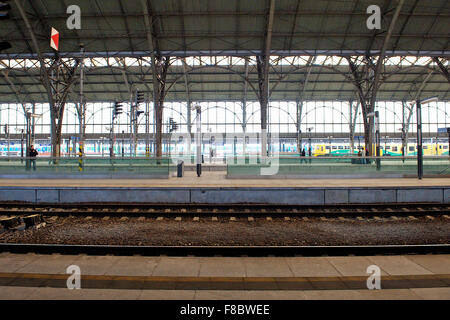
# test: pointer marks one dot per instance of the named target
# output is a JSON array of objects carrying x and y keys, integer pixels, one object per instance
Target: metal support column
[
  {"x": 403, "y": 133},
  {"x": 147, "y": 128},
  {"x": 7, "y": 140},
  {"x": 199, "y": 140},
  {"x": 419, "y": 140},
  {"x": 111, "y": 137},
  {"x": 298, "y": 125},
  {"x": 28, "y": 142},
  {"x": 377, "y": 139},
  {"x": 21, "y": 146},
  {"x": 123, "y": 143}
]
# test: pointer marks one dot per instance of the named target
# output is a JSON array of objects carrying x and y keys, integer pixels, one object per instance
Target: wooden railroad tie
[
  {"x": 33, "y": 220},
  {"x": 10, "y": 222}
]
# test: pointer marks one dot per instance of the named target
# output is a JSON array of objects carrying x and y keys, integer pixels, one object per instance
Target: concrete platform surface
[
  {"x": 218, "y": 179},
  {"x": 225, "y": 266},
  {"x": 27, "y": 293},
  {"x": 213, "y": 188},
  {"x": 31, "y": 276}
]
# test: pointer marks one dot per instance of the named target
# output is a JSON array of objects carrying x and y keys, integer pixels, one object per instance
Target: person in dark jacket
[
  {"x": 367, "y": 159},
  {"x": 32, "y": 155},
  {"x": 302, "y": 156}
]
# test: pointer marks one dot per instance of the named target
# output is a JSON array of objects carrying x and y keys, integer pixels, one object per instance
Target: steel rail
[
  {"x": 228, "y": 251},
  {"x": 136, "y": 209}
]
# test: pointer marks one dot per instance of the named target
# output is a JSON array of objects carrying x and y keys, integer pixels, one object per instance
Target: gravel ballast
[{"x": 258, "y": 232}]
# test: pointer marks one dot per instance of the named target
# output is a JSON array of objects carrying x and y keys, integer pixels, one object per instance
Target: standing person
[
  {"x": 211, "y": 154},
  {"x": 367, "y": 157},
  {"x": 302, "y": 155},
  {"x": 360, "y": 161},
  {"x": 32, "y": 155}
]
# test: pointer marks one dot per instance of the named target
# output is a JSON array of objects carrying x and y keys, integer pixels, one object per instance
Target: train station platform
[
  {"x": 31, "y": 276},
  {"x": 215, "y": 188}
]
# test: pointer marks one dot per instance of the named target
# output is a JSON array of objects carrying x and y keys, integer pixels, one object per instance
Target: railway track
[
  {"x": 228, "y": 251},
  {"x": 220, "y": 213},
  {"x": 9, "y": 209}
]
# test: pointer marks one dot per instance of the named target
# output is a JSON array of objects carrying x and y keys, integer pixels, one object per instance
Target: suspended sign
[{"x": 54, "y": 39}]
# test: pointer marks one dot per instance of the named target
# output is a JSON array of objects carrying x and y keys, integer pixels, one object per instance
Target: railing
[
  {"x": 86, "y": 166},
  {"x": 142, "y": 167},
  {"x": 350, "y": 166}
]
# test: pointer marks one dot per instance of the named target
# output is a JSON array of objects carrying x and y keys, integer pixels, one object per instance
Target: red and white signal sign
[{"x": 54, "y": 39}]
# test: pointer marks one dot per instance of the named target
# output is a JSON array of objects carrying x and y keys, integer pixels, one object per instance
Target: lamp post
[
  {"x": 329, "y": 143},
  {"x": 123, "y": 138},
  {"x": 198, "y": 139},
  {"x": 21, "y": 144},
  {"x": 29, "y": 137},
  {"x": 102, "y": 147},
  {"x": 111, "y": 141},
  {"x": 309, "y": 142},
  {"x": 404, "y": 147},
  {"x": 419, "y": 134},
  {"x": 385, "y": 142},
  {"x": 7, "y": 140}
]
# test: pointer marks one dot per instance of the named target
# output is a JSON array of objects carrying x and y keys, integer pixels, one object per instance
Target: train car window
[
  {"x": 394, "y": 149},
  {"x": 425, "y": 147},
  {"x": 327, "y": 147},
  {"x": 334, "y": 147},
  {"x": 445, "y": 147},
  {"x": 388, "y": 147},
  {"x": 411, "y": 148},
  {"x": 340, "y": 147}
]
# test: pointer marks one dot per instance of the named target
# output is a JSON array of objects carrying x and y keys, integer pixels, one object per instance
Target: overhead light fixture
[{"x": 428, "y": 100}]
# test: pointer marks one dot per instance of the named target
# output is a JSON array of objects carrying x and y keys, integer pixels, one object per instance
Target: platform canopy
[{"x": 310, "y": 41}]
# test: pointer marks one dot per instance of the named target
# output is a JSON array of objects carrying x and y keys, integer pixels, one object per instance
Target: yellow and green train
[{"x": 388, "y": 149}]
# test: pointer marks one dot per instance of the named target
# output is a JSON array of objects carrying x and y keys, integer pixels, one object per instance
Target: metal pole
[
  {"x": 123, "y": 141},
  {"x": 419, "y": 140},
  {"x": 82, "y": 111},
  {"x": 111, "y": 134},
  {"x": 403, "y": 134},
  {"x": 7, "y": 140},
  {"x": 131, "y": 123},
  {"x": 297, "y": 110},
  {"x": 169, "y": 141},
  {"x": 28, "y": 142},
  {"x": 199, "y": 142},
  {"x": 147, "y": 129},
  {"x": 448, "y": 144},
  {"x": 189, "y": 129},
  {"x": 21, "y": 146},
  {"x": 32, "y": 124},
  {"x": 135, "y": 132},
  {"x": 377, "y": 139},
  {"x": 352, "y": 138},
  {"x": 299, "y": 141},
  {"x": 309, "y": 151}
]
